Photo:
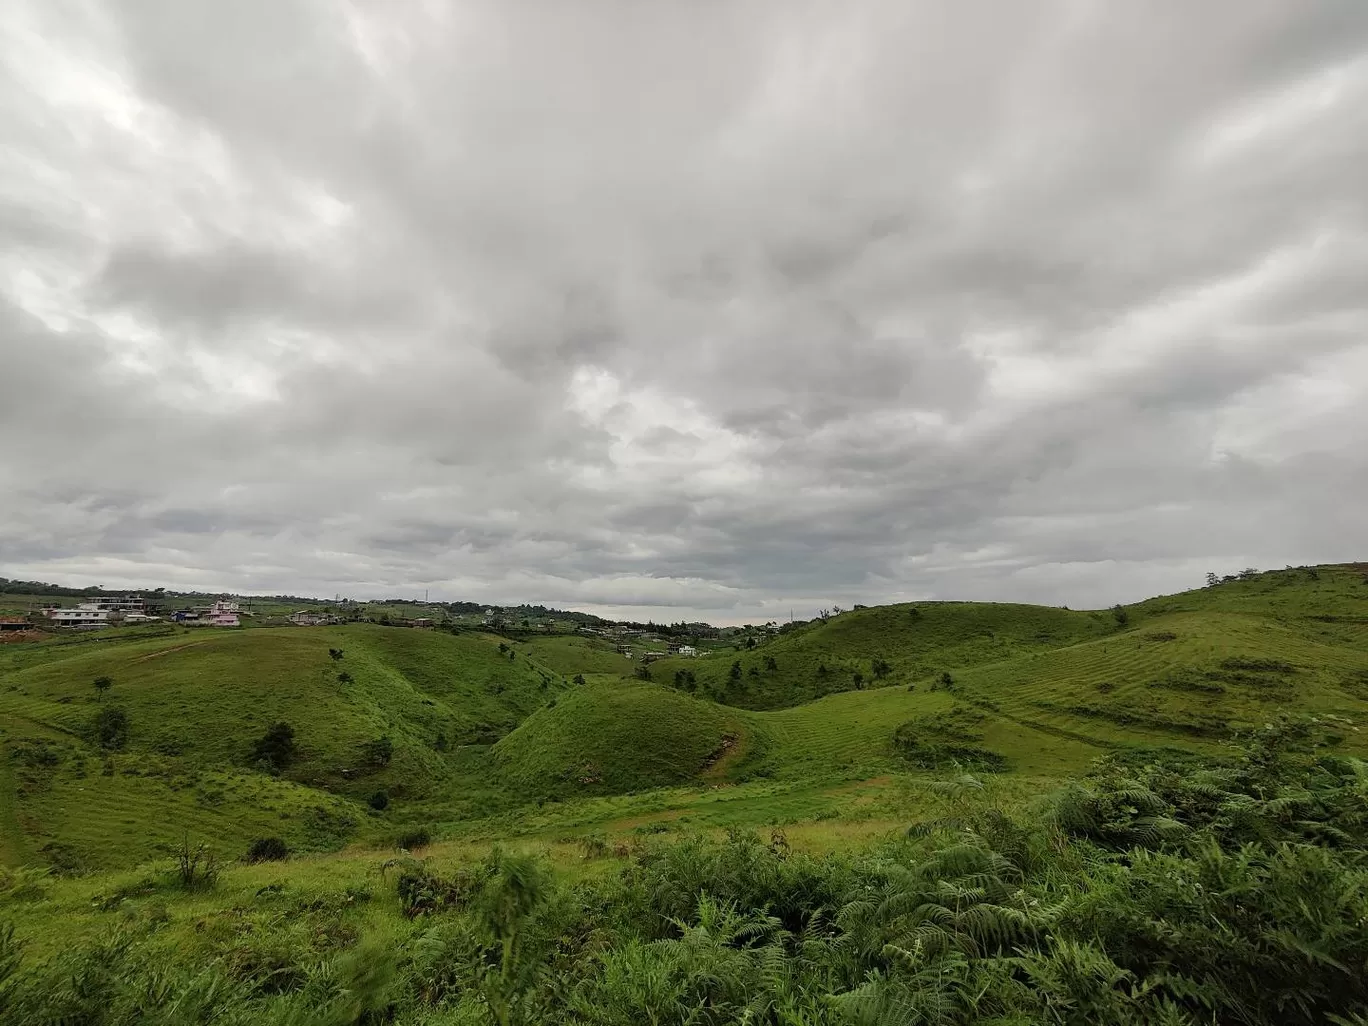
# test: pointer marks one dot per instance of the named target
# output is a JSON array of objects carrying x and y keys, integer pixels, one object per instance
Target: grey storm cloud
[{"x": 682, "y": 309}]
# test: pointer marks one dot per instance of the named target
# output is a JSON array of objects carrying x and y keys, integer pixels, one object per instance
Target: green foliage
[
  {"x": 1244, "y": 913},
  {"x": 379, "y": 801},
  {"x": 612, "y": 739},
  {"x": 102, "y": 684},
  {"x": 268, "y": 849},
  {"x": 110, "y": 728},
  {"x": 196, "y": 867},
  {"x": 413, "y": 840},
  {"x": 379, "y": 752},
  {"x": 946, "y": 740},
  {"x": 276, "y": 749}
]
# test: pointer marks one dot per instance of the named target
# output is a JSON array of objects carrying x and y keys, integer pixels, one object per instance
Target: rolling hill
[
  {"x": 469, "y": 728},
  {"x": 196, "y": 703}
]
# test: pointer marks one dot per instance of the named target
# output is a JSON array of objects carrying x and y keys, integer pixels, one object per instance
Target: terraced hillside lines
[
  {"x": 198, "y": 706},
  {"x": 1324, "y": 595},
  {"x": 849, "y": 735},
  {"x": 577, "y": 655},
  {"x": 614, "y": 738},
  {"x": 1183, "y": 678},
  {"x": 140, "y": 813},
  {"x": 872, "y": 647}
]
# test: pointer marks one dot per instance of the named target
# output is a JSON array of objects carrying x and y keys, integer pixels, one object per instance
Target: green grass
[
  {"x": 916, "y": 641},
  {"x": 612, "y": 738},
  {"x": 1048, "y": 690},
  {"x": 198, "y": 701},
  {"x": 570, "y": 655}
]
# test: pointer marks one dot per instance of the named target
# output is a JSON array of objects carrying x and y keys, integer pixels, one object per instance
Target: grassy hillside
[
  {"x": 197, "y": 703},
  {"x": 612, "y": 738},
  {"x": 1031, "y": 692},
  {"x": 913, "y": 642},
  {"x": 571, "y": 655}
]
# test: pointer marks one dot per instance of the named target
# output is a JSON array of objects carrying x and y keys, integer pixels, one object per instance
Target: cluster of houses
[
  {"x": 111, "y": 610},
  {"x": 102, "y": 611}
]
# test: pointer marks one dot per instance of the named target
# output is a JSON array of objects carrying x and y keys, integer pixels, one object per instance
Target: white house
[
  {"x": 101, "y": 612},
  {"x": 686, "y": 650}
]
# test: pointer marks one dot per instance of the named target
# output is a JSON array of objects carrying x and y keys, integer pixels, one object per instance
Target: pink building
[{"x": 223, "y": 614}]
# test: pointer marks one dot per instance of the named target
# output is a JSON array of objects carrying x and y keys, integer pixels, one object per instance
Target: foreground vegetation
[
  {"x": 933, "y": 812},
  {"x": 1152, "y": 891}
]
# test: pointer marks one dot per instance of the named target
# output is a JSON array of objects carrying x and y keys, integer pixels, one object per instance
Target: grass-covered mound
[
  {"x": 875, "y": 647},
  {"x": 614, "y": 738}
]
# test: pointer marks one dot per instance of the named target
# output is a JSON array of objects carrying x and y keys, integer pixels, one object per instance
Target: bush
[
  {"x": 380, "y": 801},
  {"x": 110, "y": 728},
  {"x": 415, "y": 839},
  {"x": 196, "y": 867},
  {"x": 276, "y": 748},
  {"x": 267, "y": 849}
]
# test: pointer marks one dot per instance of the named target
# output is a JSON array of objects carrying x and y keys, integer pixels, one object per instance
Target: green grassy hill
[
  {"x": 575, "y": 654},
  {"x": 197, "y": 702},
  {"x": 914, "y": 641},
  {"x": 614, "y": 738},
  {"x": 1032, "y": 692}
]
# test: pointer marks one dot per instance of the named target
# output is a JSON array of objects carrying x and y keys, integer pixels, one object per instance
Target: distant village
[{"x": 644, "y": 642}]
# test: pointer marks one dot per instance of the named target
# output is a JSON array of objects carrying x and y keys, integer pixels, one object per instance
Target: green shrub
[
  {"x": 276, "y": 748},
  {"x": 110, "y": 728},
  {"x": 267, "y": 849},
  {"x": 380, "y": 801},
  {"x": 415, "y": 839}
]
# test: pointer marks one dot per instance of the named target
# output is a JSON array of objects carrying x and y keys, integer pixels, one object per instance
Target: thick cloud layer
[{"x": 682, "y": 309}]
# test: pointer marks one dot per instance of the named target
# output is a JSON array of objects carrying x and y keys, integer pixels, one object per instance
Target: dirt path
[
  {"x": 731, "y": 752},
  {"x": 167, "y": 651}
]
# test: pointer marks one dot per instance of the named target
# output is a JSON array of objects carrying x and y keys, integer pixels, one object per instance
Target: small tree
[
  {"x": 276, "y": 748},
  {"x": 110, "y": 727},
  {"x": 503, "y": 648},
  {"x": 859, "y": 680},
  {"x": 881, "y": 669},
  {"x": 335, "y": 654},
  {"x": 643, "y": 672},
  {"x": 101, "y": 685},
  {"x": 344, "y": 677},
  {"x": 1212, "y": 579},
  {"x": 1120, "y": 615},
  {"x": 579, "y": 679},
  {"x": 736, "y": 670},
  {"x": 947, "y": 681},
  {"x": 380, "y": 801}
]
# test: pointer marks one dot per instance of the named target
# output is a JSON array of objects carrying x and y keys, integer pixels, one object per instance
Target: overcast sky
[{"x": 709, "y": 309}]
